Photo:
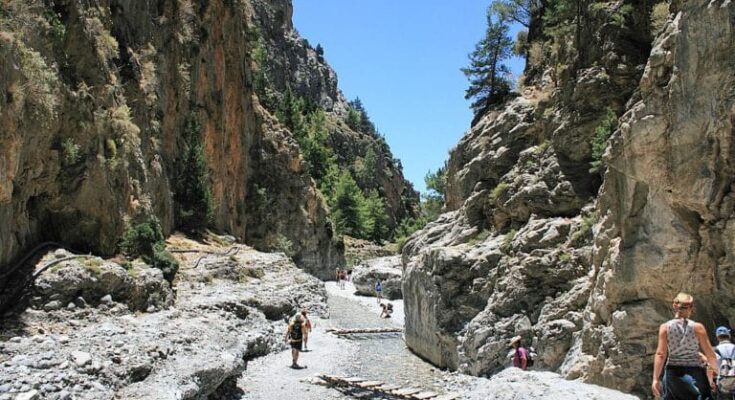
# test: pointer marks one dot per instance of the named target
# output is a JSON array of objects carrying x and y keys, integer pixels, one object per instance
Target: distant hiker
[
  {"x": 520, "y": 354},
  {"x": 307, "y": 329},
  {"x": 338, "y": 276},
  {"x": 379, "y": 290},
  {"x": 343, "y": 278},
  {"x": 725, "y": 352},
  {"x": 387, "y": 310},
  {"x": 677, "y": 356},
  {"x": 294, "y": 336}
]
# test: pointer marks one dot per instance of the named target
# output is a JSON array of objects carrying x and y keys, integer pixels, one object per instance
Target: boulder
[{"x": 385, "y": 269}]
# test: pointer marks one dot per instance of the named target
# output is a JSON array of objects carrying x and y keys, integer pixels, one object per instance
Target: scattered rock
[
  {"x": 107, "y": 299},
  {"x": 81, "y": 358}
]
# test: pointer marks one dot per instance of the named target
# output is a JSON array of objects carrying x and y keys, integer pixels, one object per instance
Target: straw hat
[{"x": 514, "y": 340}]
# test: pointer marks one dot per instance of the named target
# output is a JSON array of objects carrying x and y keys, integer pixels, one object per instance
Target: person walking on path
[
  {"x": 520, "y": 354},
  {"x": 677, "y": 356},
  {"x": 725, "y": 352},
  {"x": 378, "y": 290},
  {"x": 307, "y": 329},
  {"x": 294, "y": 336},
  {"x": 338, "y": 277}
]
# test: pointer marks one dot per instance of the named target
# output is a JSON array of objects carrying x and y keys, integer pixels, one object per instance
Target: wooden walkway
[
  {"x": 378, "y": 387},
  {"x": 337, "y": 331}
]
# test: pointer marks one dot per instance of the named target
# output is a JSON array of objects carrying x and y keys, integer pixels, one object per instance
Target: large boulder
[{"x": 385, "y": 269}]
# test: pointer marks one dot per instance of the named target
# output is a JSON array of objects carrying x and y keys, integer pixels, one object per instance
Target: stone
[
  {"x": 80, "y": 302},
  {"x": 107, "y": 299},
  {"x": 385, "y": 269},
  {"x": 81, "y": 358},
  {"x": 28, "y": 395},
  {"x": 16, "y": 339}
]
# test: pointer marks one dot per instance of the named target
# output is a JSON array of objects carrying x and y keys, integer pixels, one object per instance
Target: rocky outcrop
[
  {"x": 94, "y": 101},
  {"x": 385, "y": 269},
  {"x": 529, "y": 249},
  {"x": 514, "y": 255},
  {"x": 221, "y": 319},
  {"x": 666, "y": 205}
]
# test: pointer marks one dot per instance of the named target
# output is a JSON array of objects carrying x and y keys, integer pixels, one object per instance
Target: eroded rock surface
[
  {"x": 223, "y": 316},
  {"x": 386, "y": 269}
]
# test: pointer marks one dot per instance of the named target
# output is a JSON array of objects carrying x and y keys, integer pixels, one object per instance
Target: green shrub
[
  {"x": 599, "y": 141},
  {"x": 145, "y": 240},
  {"x": 479, "y": 237},
  {"x": 70, "y": 152},
  {"x": 588, "y": 221},
  {"x": 279, "y": 242},
  {"x": 498, "y": 191},
  {"x": 659, "y": 17}
]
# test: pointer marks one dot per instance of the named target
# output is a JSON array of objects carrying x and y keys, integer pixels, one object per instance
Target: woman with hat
[{"x": 520, "y": 355}]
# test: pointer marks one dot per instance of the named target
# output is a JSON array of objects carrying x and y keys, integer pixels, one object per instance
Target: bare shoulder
[{"x": 699, "y": 328}]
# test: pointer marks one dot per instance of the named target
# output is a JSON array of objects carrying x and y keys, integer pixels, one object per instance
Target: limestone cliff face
[
  {"x": 94, "y": 99},
  {"x": 667, "y": 201},
  {"x": 531, "y": 247}
]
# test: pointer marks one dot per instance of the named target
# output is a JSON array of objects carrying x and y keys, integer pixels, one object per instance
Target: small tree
[
  {"x": 433, "y": 200},
  {"x": 519, "y": 11},
  {"x": 193, "y": 195},
  {"x": 488, "y": 76},
  {"x": 319, "y": 51},
  {"x": 346, "y": 206},
  {"x": 375, "y": 220}
]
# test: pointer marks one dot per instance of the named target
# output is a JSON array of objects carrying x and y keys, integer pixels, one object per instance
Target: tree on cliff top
[{"x": 488, "y": 76}]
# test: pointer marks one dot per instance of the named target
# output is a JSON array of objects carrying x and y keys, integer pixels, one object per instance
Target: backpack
[
  {"x": 296, "y": 334},
  {"x": 378, "y": 286},
  {"x": 726, "y": 374}
]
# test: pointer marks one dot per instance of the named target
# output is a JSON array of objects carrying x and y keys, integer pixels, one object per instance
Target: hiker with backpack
[
  {"x": 378, "y": 290},
  {"x": 295, "y": 336},
  {"x": 725, "y": 352},
  {"x": 677, "y": 356}
]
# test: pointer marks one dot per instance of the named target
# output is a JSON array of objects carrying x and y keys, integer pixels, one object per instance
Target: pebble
[
  {"x": 80, "y": 302},
  {"x": 107, "y": 299},
  {"x": 52, "y": 305},
  {"x": 15, "y": 339},
  {"x": 71, "y": 306},
  {"x": 63, "y": 395},
  {"x": 28, "y": 395},
  {"x": 60, "y": 253},
  {"x": 6, "y": 388},
  {"x": 38, "y": 338},
  {"x": 63, "y": 339}
]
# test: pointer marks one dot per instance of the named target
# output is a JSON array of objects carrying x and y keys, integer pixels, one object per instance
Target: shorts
[
  {"x": 685, "y": 383},
  {"x": 297, "y": 345}
]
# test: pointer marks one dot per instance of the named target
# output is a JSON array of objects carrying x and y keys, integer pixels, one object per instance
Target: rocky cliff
[
  {"x": 533, "y": 245},
  {"x": 94, "y": 100}
]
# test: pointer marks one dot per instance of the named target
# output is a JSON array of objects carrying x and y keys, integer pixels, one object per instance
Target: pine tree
[
  {"x": 375, "y": 220},
  {"x": 346, "y": 208},
  {"x": 193, "y": 195},
  {"x": 488, "y": 76}
]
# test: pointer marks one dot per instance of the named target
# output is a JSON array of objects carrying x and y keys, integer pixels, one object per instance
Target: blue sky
[{"x": 403, "y": 59}]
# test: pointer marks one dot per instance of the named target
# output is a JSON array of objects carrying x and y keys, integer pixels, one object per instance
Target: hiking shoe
[{"x": 296, "y": 366}]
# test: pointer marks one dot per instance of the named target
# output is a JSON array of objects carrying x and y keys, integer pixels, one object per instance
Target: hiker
[
  {"x": 677, "y": 356},
  {"x": 294, "y": 336},
  {"x": 520, "y": 354},
  {"x": 379, "y": 290},
  {"x": 343, "y": 278},
  {"x": 725, "y": 352},
  {"x": 307, "y": 329},
  {"x": 387, "y": 310},
  {"x": 338, "y": 276}
]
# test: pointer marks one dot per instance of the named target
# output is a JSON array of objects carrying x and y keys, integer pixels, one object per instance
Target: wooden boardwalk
[
  {"x": 378, "y": 387},
  {"x": 337, "y": 331}
]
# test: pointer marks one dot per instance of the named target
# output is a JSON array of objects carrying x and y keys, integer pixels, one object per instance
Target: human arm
[
  {"x": 524, "y": 359},
  {"x": 706, "y": 347},
  {"x": 288, "y": 331},
  {"x": 659, "y": 359}
]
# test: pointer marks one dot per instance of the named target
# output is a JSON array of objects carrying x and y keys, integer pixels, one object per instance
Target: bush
[
  {"x": 145, "y": 240},
  {"x": 498, "y": 191},
  {"x": 70, "y": 152},
  {"x": 599, "y": 141},
  {"x": 659, "y": 17}
]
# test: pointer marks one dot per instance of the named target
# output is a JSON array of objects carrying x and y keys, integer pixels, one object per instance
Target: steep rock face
[
  {"x": 667, "y": 201},
  {"x": 293, "y": 63},
  {"x": 93, "y": 105},
  {"x": 514, "y": 255}
]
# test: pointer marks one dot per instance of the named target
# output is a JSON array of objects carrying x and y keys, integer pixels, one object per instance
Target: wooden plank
[
  {"x": 449, "y": 396},
  {"x": 406, "y": 392},
  {"x": 353, "y": 380},
  {"x": 424, "y": 395},
  {"x": 388, "y": 388},
  {"x": 369, "y": 384}
]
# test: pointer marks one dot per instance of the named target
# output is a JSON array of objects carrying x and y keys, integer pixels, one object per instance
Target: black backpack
[{"x": 296, "y": 334}]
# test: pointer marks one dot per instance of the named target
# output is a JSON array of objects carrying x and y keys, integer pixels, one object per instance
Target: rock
[
  {"x": 16, "y": 339},
  {"x": 61, "y": 253},
  {"x": 71, "y": 306},
  {"x": 385, "y": 269},
  {"x": 28, "y": 395},
  {"x": 80, "y": 358},
  {"x": 63, "y": 395},
  {"x": 6, "y": 388},
  {"x": 107, "y": 299},
  {"x": 80, "y": 302}
]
